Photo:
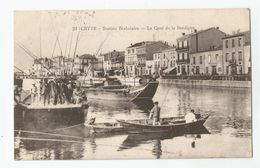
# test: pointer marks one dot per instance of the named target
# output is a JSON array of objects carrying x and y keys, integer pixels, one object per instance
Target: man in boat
[
  {"x": 34, "y": 91},
  {"x": 69, "y": 92},
  {"x": 77, "y": 95},
  {"x": 46, "y": 92},
  {"x": 155, "y": 113},
  {"x": 40, "y": 96},
  {"x": 190, "y": 116},
  {"x": 154, "y": 77}
]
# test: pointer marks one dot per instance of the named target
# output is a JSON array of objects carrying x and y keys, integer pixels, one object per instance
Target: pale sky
[{"x": 28, "y": 25}]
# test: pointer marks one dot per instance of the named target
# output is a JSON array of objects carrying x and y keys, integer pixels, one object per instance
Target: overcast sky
[{"x": 30, "y": 27}]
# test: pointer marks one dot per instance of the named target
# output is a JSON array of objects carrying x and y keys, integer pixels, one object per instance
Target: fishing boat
[
  {"x": 172, "y": 124},
  {"x": 45, "y": 117},
  {"x": 145, "y": 126},
  {"x": 126, "y": 94}
]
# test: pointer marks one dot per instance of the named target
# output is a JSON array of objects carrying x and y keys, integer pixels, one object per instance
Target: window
[
  {"x": 216, "y": 57},
  {"x": 226, "y": 43},
  {"x": 129, "y": 51},
  {"x": 180, "y": 44},
  {"x": 133, "y": 50},
  {"x": 178, "y": 69},
  {"x": 240, "y": 56},
  {"x": 194, "y": 60},
  {"x": 200, "y": 59},
  {"x": 178, "y": 55},
  {"x": 233, "y": 43},
  {"x": 185, "y": 56},
  {"x": 185, "y": 43},
  {"x": 209, "y": 58},
  {"x": 227, "y": 57},
  {"x": 239, "y": 42},
  {"x": 233, "y": 56},
  {"x": 207, "y": 70},
  {"x": 182, "y": 56}
]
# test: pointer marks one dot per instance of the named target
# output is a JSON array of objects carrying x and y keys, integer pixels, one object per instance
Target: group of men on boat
[{"x": 56, "y": 91}]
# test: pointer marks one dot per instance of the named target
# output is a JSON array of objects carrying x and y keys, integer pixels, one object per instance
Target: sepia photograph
[{"x": 132, "y": 84}]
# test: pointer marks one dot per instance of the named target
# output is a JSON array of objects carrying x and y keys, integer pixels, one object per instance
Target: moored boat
[
  {"x": 128, "y": 94},
  {"x": 172, "y": 124}
]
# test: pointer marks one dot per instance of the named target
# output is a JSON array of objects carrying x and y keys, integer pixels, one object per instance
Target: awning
[{"x": 168, "y": 70}]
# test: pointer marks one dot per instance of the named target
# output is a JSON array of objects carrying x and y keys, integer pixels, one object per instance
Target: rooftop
[
  {"x": 87, "y": 56},
  {"x": 140, "y": 44},
  {"x": 197, "y": 32},
  {"x": 247, "y": 35}
]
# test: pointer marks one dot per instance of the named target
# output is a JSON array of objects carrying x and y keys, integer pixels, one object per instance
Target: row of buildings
[{"x": 210, "y": 51}]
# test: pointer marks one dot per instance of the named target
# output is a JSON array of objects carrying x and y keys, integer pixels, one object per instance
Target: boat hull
[
  {"x": 176, "y": 127},
  {"x": 146, "y": 92},
  {"x": 49, "y": 119}
]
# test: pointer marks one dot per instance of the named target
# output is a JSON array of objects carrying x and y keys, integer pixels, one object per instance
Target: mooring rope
[
  {"x": 44, "y": 133},
  {"x": 45, "y": 139}
]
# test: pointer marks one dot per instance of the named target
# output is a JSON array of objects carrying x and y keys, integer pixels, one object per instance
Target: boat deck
[{"x": 58, "y": 106}]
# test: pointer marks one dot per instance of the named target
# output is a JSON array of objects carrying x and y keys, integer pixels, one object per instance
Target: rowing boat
[{"x": 172, "y": 124}]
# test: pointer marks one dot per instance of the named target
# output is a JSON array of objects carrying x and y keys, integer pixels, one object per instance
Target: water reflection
[
  {"x": 134, "y": 140},
  {"x": 230, "y": 119}
]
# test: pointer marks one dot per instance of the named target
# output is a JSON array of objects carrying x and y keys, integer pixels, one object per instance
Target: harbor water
[{"x": 228, "y": 129}]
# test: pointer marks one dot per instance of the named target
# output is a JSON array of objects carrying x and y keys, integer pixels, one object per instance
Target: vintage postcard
[{"x": 132, "y": 84}]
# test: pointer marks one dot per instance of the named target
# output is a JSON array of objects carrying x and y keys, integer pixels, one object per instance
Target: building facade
[
  {"x": 113, "y": 62},
  {"x": 208, "y": 62},
  {"x": 41, "y": 67},
  {"x": 236, "y": 53},
  {"x": 137, "y": 54},
  {"x": 85, "y": 64},
  {"x": 198, "y": 41}
]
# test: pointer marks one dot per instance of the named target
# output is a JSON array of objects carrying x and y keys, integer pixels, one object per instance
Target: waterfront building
[
  {"x": 68, "y": 63},
  {"x": 198, "y": 41},
  {"x": 164, "y": 61},
  {"x": 137, "y": 54},
  {"x": 168, "y": 62},
  {"x": 157, "y": 62},
  {"x": 236, "y": 53},
  {"x": 58, "y": 65},
  {"x": 41, "y": 67},
  {"x": 84, "y": 64},
  {"x": 207, "y": 62},
  {"x": 149, "y": 67},
  {"x": 113, "y": 62}
]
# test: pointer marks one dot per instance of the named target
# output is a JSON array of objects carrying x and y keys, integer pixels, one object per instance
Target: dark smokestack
[
  {"x": 218, "y": 28},
  {"x": 183, "y": 34}
]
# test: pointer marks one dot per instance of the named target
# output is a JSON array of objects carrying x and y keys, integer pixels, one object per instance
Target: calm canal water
[{"x": 227, "y": 134}]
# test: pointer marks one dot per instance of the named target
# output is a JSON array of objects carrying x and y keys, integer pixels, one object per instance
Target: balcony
[
  {"x": 182, "y": 48},
  {"x": 184, "y": 61}
]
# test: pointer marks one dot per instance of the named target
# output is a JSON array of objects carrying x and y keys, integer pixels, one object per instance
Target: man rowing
[{"x": 155, "y": 113}]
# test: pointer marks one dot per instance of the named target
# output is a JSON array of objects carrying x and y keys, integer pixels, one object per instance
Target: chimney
[
  {"x": 131, "y": 44},
  {"x": 218, "y": 28},
  {"x": 183, "y": 34},
  {"x": 195, "y": 30}
]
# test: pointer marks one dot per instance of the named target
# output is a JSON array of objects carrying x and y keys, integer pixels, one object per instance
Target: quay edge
[{"x": 212, "y": 83}]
